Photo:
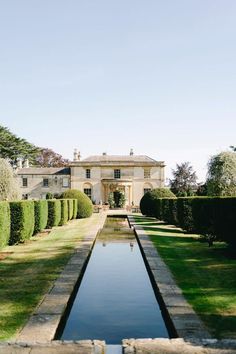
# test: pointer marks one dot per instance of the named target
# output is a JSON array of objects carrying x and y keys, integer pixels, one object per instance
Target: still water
[{"x": 115, "y": 299}]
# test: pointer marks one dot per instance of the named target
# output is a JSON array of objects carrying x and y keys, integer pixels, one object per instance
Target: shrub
[
  {"x": 54, "y": 213},
  {"x": 64, "y": 211},
  {"x": 203, "y": 211},
  {"x": 70, "y": 208},
  {"x": 84, "y": 204},
  {"x": 169, "y": 210},
  {"x": 9, "y": 188},
  {"x": 22, "y": 221},
  {"x": 5, "y": 223},
  {"x": 147, "y": 203},
  {"x": 165, "y": 210},
  {"x": 157, "y": 208},
  {"x": 40, "y": 215},
  {"x": 225, "y": 220},
  {"x": 173, "y": 217},
  {"x": 75, "y": 209},
  {"x": 184, "y": 214}
]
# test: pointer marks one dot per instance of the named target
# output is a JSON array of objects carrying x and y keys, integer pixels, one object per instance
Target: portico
[{"x": 112, "y": 185}]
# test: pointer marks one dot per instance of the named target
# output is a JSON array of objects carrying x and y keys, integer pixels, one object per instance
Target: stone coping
[
  {"x": 54, "y": 347},
  {"x": 184, "y": 321},
  {"x": 178, "y": 346}
]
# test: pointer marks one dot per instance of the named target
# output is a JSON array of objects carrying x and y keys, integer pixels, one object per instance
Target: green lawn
[
  {"x": 207, "y": 276},
  {"x": 28, "y": 270}
]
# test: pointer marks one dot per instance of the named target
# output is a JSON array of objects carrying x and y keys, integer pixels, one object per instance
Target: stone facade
[
  {"x": 98, "y": 176},
  {"x": 36, "y": 182}
]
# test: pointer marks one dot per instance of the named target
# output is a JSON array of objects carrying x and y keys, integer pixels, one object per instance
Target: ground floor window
[
  {"x": 88, "y": 192},
  {"x": 45, "y": 182}
]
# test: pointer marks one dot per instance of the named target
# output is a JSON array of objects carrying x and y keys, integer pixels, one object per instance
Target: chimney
[
  {"x": 75, "y": 155},
  {"x": 19, "y": 163},
  {"x": 26, "y": 163},
  {"x": 131, "y": 152}
]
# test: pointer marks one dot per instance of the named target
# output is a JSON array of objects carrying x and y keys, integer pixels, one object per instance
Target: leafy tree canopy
[
  {"x": 12, "y": 147},
  {"x": 221, "y": 178},
  {"x": 9, "y": 188},
  {"x": 49, "y": 158},
  {"x": 185, "y": 180}
]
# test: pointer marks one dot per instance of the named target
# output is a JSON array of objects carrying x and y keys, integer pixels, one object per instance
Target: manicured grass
[
  {"x": 207, "y": 276},
  {"x": 28, "y": 271}
]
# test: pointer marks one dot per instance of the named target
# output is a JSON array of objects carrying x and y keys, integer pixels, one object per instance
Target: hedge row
[
  {"x": 22, "y": 219},
  {"x": 212, "y": 217},
  {"x": 5, "y": 223}
]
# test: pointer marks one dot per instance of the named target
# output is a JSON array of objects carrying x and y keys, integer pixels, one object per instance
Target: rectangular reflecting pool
[{"x": 115, "y": 299}]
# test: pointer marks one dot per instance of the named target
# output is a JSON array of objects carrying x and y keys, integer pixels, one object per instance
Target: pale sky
[{"x": 106, "y": 75}]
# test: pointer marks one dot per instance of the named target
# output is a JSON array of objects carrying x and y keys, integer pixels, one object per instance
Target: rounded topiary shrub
[
  {"x": 22, "y": 221},
  {"x": 40, "y": 215},
  {"x": 85, "y": 206},
  {"x": 147, "y": 203},
  {"x": 54, "y": 213},
  {"x": 64, "y": 211}
]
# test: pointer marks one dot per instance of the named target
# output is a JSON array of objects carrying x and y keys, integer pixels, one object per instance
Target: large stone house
[{"x": 98, "y": 176}]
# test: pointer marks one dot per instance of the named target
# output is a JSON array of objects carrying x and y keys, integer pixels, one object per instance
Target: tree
[
  {"x": 221, "y": 176},
  {"x": 12, "y": 147},
  {"x": 185, "y": 180},
  {"x": 9, "y": 188},
  {"x": 48, "y": 158}
]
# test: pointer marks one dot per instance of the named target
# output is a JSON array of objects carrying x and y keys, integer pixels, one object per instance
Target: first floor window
[
  {"x": 45, "y": 182},
  {"x": 88, "y": 173},
  {"x": 88, "y": 192},
  {"x": 116, "y": 173},
  {"x": 24, "y": 182},
  {"x": 147, "y": 173},
  {"x": 146, "y": 190}
]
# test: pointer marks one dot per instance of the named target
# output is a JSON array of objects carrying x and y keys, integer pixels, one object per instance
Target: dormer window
[{"x": 116, "y": 174}]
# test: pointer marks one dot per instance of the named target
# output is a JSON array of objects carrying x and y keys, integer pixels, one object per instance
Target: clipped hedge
[
  {"x": 70, "y": 208},
  {"x": 64, "y": 211},
  {"x": 212, "y": 217},
  {"x": 5, "y": 223},
  {"x": 184, "y": 214},
  {"x": 54, "y": 213},
  {"x": 148, "y": 203},
  {"x": 40, "y": 215},
  {"x": 84, "y": 204},
  {"x": 22, "y": 221},
  {"x": 75, "y": 210}
]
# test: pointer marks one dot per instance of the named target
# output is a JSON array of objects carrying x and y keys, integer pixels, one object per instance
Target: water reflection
[{"x": 115, "y": 299}]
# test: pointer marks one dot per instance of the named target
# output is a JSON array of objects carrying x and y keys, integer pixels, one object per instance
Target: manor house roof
[
  {"x": 119, "y": 160},
  {"x": 44, "y": 171}
]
